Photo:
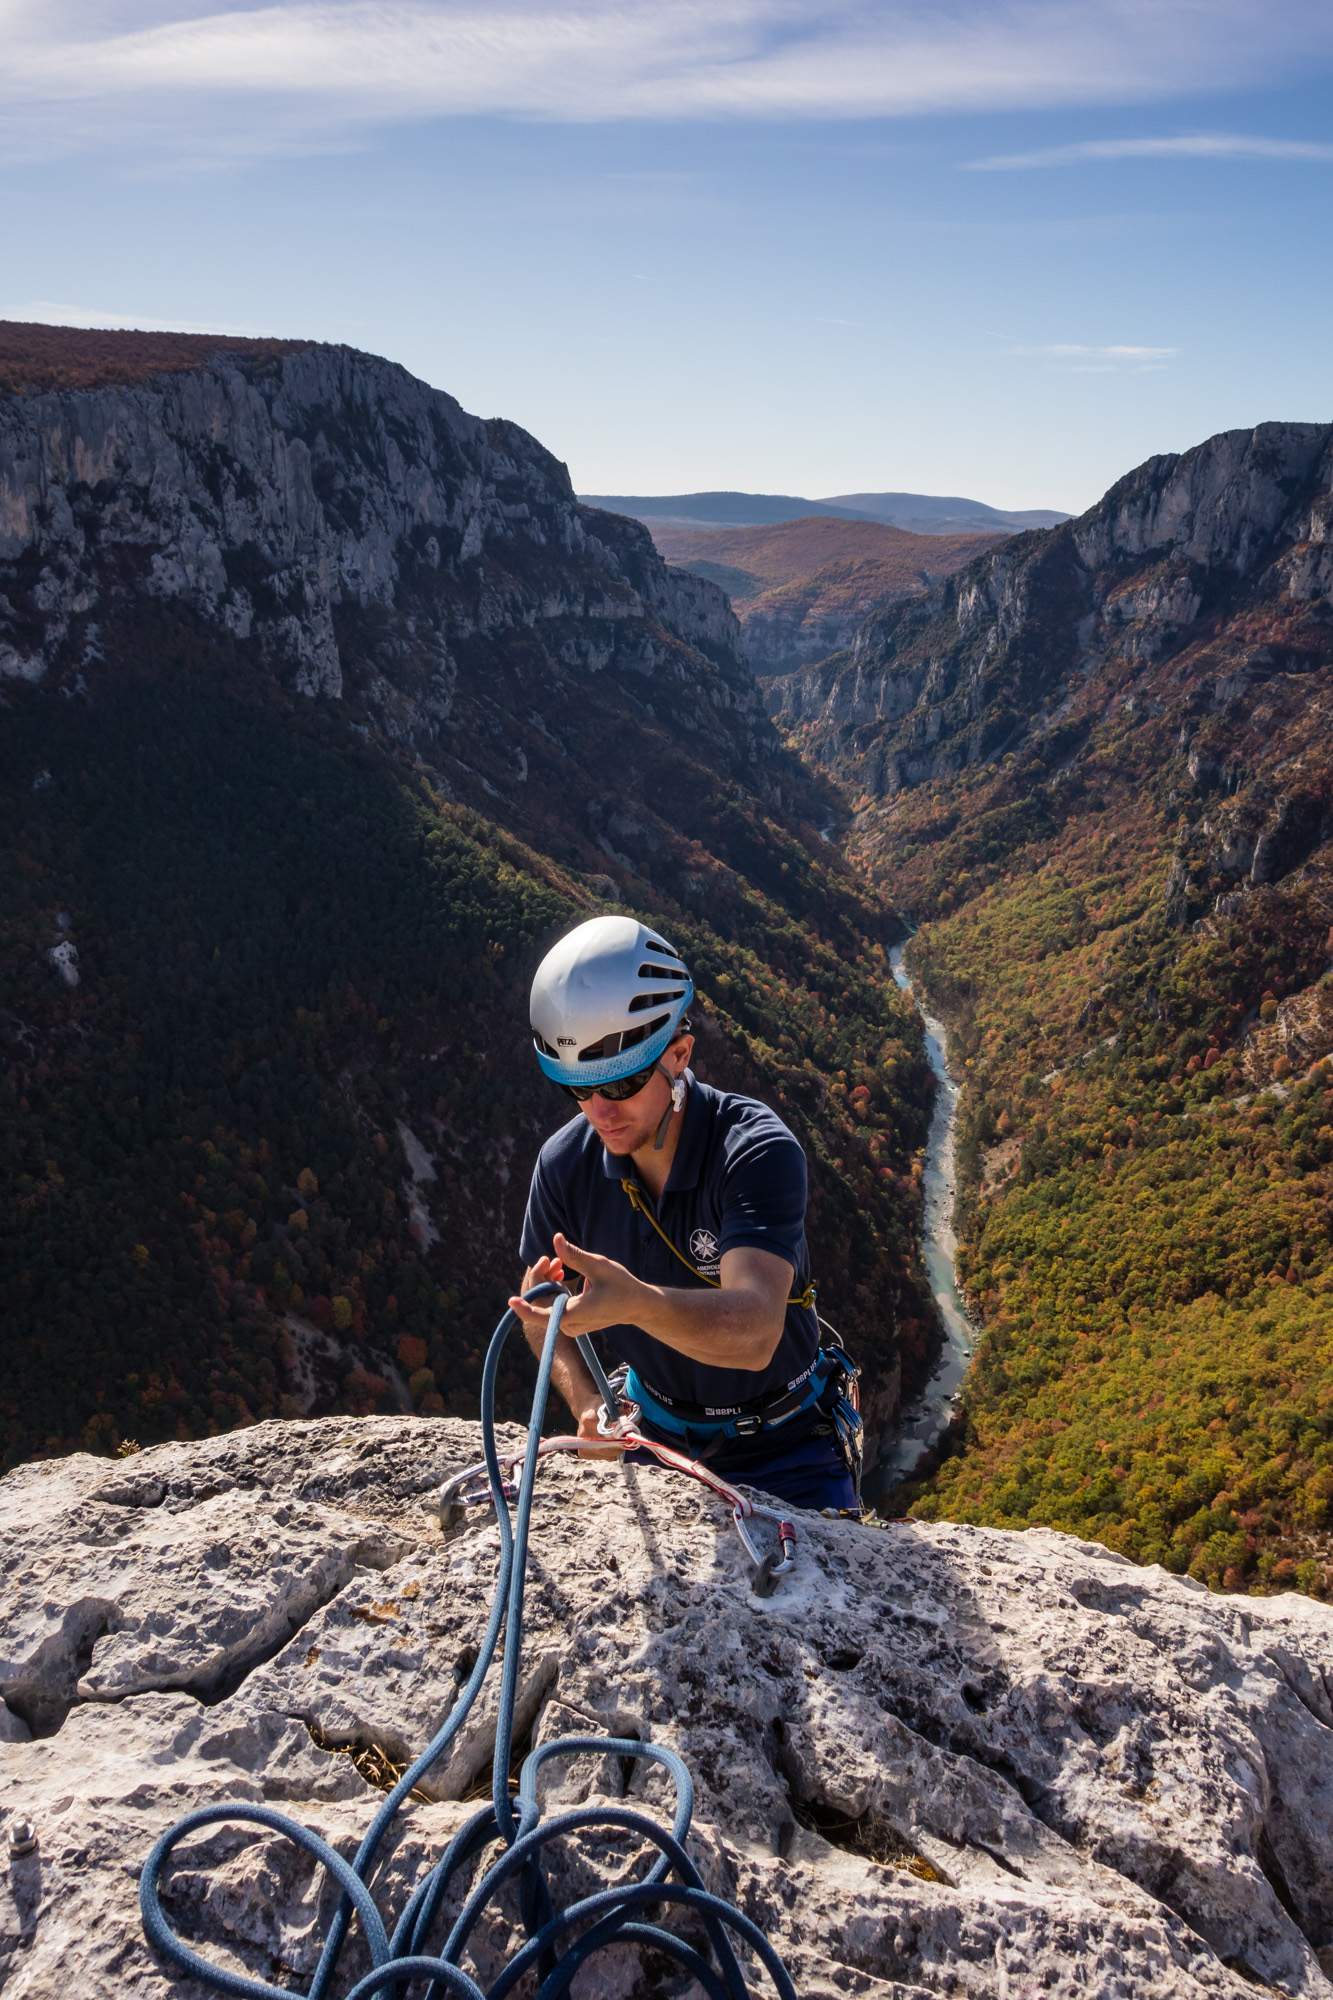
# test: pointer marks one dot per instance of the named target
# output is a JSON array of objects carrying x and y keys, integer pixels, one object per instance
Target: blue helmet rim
[{"x": 628, "y": 1062}]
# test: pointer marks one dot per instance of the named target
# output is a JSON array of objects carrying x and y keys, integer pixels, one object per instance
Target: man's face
[{"x": 625, "y": 1127}]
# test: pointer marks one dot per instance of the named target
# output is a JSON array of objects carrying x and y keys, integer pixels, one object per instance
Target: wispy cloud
[
  {"x": 1189, "y": 146},
  {"x": 1115, "y": 359},
  {"x": 54, "y": 312},
  {"x": 286, "y": 72},
  {"x": 1064, "y": 349}
]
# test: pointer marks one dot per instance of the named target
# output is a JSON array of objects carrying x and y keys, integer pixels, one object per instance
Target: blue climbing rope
[{"x": 559, "y": 1942}]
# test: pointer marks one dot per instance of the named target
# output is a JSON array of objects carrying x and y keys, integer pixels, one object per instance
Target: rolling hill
[
  {"x": 920, "y": 513},
  {"x": 946, "y": 514},
  {"x": 802, "y": 588}
]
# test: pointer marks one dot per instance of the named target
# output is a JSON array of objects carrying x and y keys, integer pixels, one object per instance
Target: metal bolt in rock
[{"x": 22, "y": 1837}]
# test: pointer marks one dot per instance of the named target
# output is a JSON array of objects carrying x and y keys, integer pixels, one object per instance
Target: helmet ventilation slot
[
  {"x": 643, "y": 1000},
  {"x": 616, "y": 1044}
]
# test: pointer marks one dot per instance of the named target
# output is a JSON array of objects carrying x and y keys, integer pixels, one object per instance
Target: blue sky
[{"x": 1001, "y": 248}]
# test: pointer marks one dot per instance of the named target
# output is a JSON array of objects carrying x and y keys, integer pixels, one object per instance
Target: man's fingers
[
  {"x": 537, "y": 1315},
  {"x": 585, "y": 1262},
  {"x": 546, "y": 1271}
]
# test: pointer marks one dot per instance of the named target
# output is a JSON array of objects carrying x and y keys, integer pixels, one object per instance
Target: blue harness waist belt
[{"x": 770, "y": 1415}]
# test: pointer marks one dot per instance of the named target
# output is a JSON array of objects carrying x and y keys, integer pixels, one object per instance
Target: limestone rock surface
[
  {"x": 349, "y": 519},
  {"x": 940, "y": 1760}
]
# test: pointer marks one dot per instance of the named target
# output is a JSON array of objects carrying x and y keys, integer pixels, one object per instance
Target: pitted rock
[{"x": 940, "y": 1760}]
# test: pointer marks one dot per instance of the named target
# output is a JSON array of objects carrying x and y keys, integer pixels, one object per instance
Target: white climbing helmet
[{"x": 606, "y": 1001}]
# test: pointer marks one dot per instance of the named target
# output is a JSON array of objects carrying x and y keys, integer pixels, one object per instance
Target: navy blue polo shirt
[{"x": 737, "y": 1180}]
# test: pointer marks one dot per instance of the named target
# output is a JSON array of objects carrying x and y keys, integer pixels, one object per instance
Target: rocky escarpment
[
  {"x": 940, "y": 1760},
  {"x": 269, "y": 496},
  {"x": 1213, "y": 548},
  {"x": 374, "y": 542},
  {"x": 806, "y": 622}
]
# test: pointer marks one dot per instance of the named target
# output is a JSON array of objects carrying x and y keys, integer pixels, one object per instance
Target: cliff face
[
  {"x": 776, "y": 637},
  {"x": 1190, "y": 551},
  {"x": 939, "y": 1761},
  {"x": 302, "y": 500}
]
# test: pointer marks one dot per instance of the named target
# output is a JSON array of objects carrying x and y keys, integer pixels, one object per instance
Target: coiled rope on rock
[{"x": 559, "y": 1942}]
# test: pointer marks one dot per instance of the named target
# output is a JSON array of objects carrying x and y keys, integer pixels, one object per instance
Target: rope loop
[{"x": 559, "y": 1942}]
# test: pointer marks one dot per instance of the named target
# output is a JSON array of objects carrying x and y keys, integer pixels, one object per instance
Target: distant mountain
[
  {"x": 718, "y": 510},
  {"x": 939, "y": 514},
  {"x": 919, "y": 513},
  {"x": 802, "y": 588}
]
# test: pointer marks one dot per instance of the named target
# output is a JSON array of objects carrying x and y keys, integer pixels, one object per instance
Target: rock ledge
[{"x": 941, "y": 1760}]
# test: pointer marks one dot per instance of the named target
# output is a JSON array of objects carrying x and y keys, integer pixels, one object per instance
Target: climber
[{"x": 682, "y": 1209}]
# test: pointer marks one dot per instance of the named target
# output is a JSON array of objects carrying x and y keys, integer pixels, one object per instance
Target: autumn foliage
[
  {"x": 293, "y": 947},
  {"x": 35, "y": 357},
  {"x": 1147, "y": 1230}
]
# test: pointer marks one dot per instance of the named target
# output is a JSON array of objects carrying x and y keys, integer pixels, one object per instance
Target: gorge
[
  {"x": 326, "y": 705},
  {"x": 803, "y": 589},
  {"x": 1094, "y": 768},
  {"x": 924, "y": 1419}
]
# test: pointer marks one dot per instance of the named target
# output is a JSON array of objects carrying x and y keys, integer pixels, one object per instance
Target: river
[{"x": 923, "y": 1420}]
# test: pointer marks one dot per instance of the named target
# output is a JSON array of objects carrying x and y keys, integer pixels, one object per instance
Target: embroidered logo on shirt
[{"x": 704, "y": 1250}]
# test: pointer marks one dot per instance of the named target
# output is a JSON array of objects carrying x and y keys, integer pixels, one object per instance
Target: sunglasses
[{"x": 615, "y": 1092}]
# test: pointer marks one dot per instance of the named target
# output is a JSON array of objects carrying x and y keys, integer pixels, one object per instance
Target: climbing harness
[
  {"x": 558, "y": 1943},
  {"x": 709, "y": 1426}
]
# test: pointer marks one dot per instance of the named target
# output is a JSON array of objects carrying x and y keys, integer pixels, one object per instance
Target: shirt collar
[{"x": 688, "y": 1158}]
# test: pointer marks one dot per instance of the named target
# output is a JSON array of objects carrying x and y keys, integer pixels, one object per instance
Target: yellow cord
[{"x": 635, "y": 1193}]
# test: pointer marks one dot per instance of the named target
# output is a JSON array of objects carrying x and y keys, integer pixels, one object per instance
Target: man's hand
[
  {"x": 570, "y": 1374},
  {"x": 611, "y": 1295},
  {"x": 598, "y": 1447},
  {"x": 737, "y": 1324}
]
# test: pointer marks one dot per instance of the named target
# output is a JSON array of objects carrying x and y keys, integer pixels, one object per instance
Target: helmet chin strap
[{"x": 677, "y": 1103}]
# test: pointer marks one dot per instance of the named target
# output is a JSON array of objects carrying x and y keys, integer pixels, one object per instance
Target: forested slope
[
  {"x": 1097, "y": 769},
  {"x": 325, "y": 709}
]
